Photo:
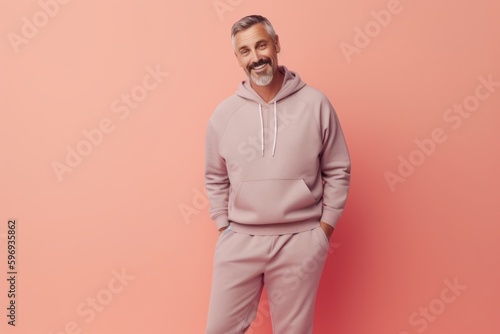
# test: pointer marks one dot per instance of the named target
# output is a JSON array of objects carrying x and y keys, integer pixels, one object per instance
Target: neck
[{"x": 268, "y": 92}]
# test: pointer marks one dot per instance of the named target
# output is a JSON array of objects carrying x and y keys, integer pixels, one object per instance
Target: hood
[{"x": 291, "y": 84}]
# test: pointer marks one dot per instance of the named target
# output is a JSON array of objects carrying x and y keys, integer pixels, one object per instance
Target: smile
[{"x": 259, "y": 67}]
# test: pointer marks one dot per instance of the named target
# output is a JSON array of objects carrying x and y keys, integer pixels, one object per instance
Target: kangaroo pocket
[{"x": 271, "y": 201}]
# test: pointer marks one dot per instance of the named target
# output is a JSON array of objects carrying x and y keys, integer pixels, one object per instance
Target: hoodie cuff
[
  {"x": 330, "y": 217},
  {"x": 221, "y": 220}
]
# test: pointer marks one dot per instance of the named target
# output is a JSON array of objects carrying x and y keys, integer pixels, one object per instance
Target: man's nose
[{"x": 255, "y": 56}]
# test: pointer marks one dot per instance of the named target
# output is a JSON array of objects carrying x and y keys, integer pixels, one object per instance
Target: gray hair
[{"x": 248, "y": 21}]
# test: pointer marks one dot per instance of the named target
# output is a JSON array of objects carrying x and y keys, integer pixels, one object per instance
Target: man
[{"x": 277, "y": 175}]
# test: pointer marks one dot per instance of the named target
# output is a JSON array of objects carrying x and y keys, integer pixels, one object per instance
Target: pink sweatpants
[{"x": 289, "y": 265}]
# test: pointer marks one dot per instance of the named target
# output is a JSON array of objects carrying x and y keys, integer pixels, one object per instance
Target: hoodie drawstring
[
  {"x": 262, "y": 128},
  {"x": 275, "y": 128}
]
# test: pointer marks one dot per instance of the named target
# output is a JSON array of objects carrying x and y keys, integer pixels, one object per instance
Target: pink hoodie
[{"x": 278, "y": 167}]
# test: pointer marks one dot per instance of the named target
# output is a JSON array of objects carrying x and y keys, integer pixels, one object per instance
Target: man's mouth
[
  {"x": 259, "y": 67},
  {"x": 256, "y": 68}
]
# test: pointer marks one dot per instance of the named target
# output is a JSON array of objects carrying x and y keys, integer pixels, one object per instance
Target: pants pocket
[{"x": 323, "y": 235}]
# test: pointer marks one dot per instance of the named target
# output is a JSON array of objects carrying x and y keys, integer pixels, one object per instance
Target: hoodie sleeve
[
  {"x": 216, "y": 178},
  {"x": 335, "y": 165}
]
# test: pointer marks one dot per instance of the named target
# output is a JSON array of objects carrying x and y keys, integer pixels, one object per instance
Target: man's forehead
[{"x": 251, "y": 35}]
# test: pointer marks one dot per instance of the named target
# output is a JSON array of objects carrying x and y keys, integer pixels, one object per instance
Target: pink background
[{"x": 136, "y": 202}]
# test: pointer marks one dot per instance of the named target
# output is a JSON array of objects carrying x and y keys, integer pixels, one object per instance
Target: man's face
[{"x": 257, "y": 53}]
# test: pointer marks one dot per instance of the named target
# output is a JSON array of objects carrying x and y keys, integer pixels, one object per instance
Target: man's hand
[{"x": 328, "y": 229}]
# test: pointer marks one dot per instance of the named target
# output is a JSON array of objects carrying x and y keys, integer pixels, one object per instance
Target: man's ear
[{"x": 277, "y": 44}]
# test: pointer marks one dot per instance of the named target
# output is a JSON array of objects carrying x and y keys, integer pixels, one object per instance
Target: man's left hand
[{"x": 328, "y": 229}]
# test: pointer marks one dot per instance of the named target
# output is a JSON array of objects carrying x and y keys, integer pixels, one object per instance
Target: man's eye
[
  {"x": 262, "y": 46},
  {"x": 244, "y": 52}
]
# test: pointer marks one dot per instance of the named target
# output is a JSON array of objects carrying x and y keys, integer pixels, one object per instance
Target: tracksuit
[{"x": 273, "y": 171}]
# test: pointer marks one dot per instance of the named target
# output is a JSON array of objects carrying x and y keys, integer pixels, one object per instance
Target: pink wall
[{"x": 423, "y": 210}]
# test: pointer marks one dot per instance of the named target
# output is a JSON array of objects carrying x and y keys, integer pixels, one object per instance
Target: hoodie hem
[{"x": 274, "y": 229}]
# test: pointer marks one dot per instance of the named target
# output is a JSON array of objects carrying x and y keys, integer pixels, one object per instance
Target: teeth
[{"x": 259, "y": 67}]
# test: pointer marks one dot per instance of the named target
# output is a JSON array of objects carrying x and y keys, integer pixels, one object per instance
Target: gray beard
[{"x": 263, "y": 80}]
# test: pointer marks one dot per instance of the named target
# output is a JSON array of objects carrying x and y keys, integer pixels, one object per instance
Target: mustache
[{"x": 259, "y": 63}]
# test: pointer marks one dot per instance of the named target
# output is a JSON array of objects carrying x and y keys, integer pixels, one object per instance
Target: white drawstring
[
  {"x": 275, "y": 128},
  {"x": 262, "y": 129}
]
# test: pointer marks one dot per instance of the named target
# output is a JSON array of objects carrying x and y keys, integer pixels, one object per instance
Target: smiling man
[{"x": 277, "y": 175}]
